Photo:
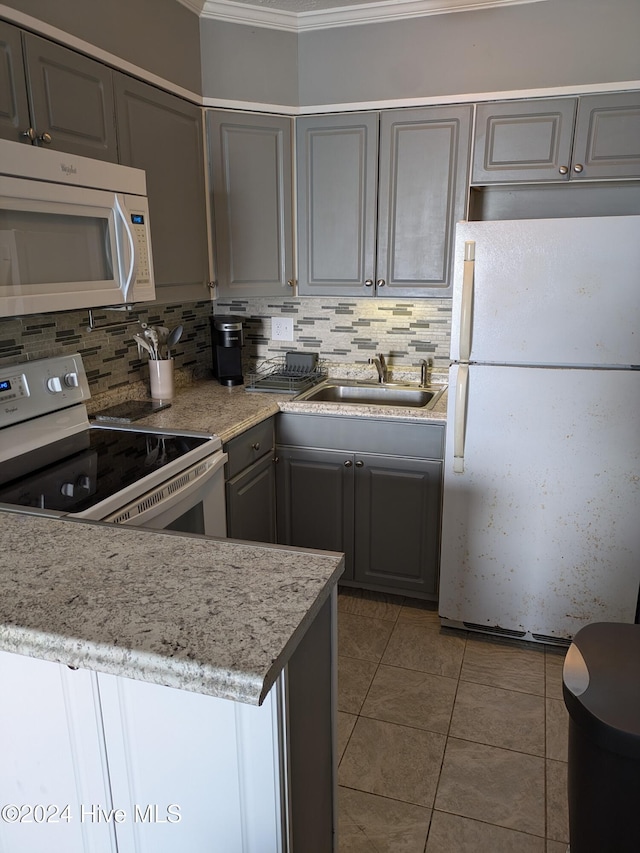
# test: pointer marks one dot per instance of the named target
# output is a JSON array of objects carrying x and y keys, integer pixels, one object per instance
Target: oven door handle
[{"x": 182, "y": 488}]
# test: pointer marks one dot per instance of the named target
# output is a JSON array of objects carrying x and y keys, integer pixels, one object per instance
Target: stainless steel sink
[{"x": 373, "y": 394}]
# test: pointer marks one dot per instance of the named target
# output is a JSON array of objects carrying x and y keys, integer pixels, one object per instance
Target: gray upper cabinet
[
  {"x": 251, "y": 181},
  {"x": 378, "y": 220},
  {"x": 71, "y": 98},
  {"x": 337, "y": 167},
  {"x": 53, "y": 96},
  {"x": 424, "y": 156},
  {"x": 14, "y": 108},
  {"x": 163, "y": 134},
  {"x": 607, "y": 138},
  {"x": 589, "y": 138}
]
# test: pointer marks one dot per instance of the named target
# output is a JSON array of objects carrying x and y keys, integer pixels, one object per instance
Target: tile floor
[{"x": 448, "y": 742}]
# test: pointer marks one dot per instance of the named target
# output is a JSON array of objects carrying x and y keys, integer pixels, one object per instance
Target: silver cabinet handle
[
  {"x": 291, "y": 282},
  {"x": 380, "y": 282},
  {"x": 563, "y": 170},
  {"x": 29, "y": 134},
  {"x": 256, "y": 446},
  {"x": 359, "y": 464},
  {"x": 46, "y": 138},
  {"x": 578, "y": 168},
  {"x": 348, "y": 463},
  {"x": 368, "y": 282}
]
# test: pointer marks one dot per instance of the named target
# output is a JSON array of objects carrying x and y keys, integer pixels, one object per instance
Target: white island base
[{"x": 98, "y": 763}]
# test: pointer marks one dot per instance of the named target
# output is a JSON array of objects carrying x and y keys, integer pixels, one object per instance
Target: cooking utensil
[
  {"x": 152, "y": 337},
  {"x": 173, "y": 338},
  {"x": 142, "y": 343}
]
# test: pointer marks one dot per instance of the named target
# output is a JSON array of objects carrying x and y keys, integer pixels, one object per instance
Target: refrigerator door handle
[
  {"x": 460, "y": 419},
  {"x": 466, "y": 308}
]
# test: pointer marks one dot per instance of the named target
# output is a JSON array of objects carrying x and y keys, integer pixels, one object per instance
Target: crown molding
[{"x": 339, "y": 16}]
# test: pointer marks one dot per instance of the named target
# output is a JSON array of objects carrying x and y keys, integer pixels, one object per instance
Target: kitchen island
[{"x": 153, "y": 670}]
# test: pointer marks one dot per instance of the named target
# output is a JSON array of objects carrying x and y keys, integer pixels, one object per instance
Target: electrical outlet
[{"x": 282, "y": 328}]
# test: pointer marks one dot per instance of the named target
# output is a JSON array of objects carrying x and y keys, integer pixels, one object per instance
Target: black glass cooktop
[{"x": 77, "y": 473}]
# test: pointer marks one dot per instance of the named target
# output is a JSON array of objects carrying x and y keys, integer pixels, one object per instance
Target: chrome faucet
[
  {"x": 381, "y": 367},
  {"x": 425, "y": 372}
]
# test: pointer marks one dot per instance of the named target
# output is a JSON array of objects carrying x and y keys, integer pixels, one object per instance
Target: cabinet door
[
  {"x": 251, "y": 182},
  {"x": 314, "y": 496},
  {"x": 71, "y": 99},
  {"x": 14, "y": 107},
  {"x": 251, "y": 496},
  {"x": 523, "y": 141},
  {"x": 51, "y": 743},
  {"x": 607, "y": 138},
  {"x": 424, "y": 157},
  {"x": 163, "y": 135},
  {"x": 397, "y": 522},
  {"x": 337, "y": 162}
]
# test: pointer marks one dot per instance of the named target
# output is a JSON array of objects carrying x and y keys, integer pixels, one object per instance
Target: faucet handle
[{"x": 425, "y": 372}]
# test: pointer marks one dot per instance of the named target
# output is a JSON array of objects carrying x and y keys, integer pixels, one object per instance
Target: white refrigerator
[{"x": 541, "y": 507}]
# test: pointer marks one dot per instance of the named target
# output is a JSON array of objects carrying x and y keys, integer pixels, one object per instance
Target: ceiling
[{"x": 299, "y": 15}]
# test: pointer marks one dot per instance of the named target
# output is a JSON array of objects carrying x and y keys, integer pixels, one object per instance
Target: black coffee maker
[{"x": 226, "y": 344}]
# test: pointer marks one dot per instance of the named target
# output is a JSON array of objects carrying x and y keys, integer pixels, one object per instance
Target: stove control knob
[
  {"x": 71, "y": 380},
  {"x": 67, "y": 489},
  {"x": 54, "y": 385}
]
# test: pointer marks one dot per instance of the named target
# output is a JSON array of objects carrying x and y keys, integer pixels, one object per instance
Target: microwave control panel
[{"x": 141, "y": 240}]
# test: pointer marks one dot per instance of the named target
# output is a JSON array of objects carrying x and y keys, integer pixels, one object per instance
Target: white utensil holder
[{"x": 161, "y": 378}]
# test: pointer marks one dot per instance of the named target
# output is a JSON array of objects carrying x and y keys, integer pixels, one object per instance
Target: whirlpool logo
[{"x": 68, "y": 169}]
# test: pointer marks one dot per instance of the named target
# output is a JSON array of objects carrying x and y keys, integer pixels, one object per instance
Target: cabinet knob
[
  {"x": 45, "y": 138},
  {"x": 348, "y": 463},
  {"x": 256, "y": 446},
  {"x": 578, "y": 168},
  {"x": 368, "y": 282},
  {"x": 563, "y": 170},
  {"x": 380, "y": 282},
  {"x": 29, "y": 134},
  {"x": 291, "y": 282},
  {"x": 211, "y": 285},
  {"x": 359, "y": 464}
]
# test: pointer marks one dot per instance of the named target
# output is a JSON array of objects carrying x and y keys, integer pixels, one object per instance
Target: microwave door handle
[{"x": 128, "y": 279}]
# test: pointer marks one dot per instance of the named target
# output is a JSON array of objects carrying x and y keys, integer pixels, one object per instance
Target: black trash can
[{"x": 601, "y": 687}]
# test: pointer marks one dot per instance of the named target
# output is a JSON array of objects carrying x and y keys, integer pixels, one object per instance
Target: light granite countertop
[
  {"x": 206, "y": 615},
  {"x": 206, "y": 406}
]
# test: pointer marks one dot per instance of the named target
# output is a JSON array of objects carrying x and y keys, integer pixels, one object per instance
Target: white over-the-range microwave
[{"x": 74, "y": 232}]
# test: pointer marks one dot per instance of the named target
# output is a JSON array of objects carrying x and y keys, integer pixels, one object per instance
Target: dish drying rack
[{"x": 291, "y": 374}]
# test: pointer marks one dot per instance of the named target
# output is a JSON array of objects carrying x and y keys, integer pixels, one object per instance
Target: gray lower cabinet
[
  {"x": 381, "y": 507},
  {"x": 250, "y": 486},
  {"x": 594, "y": 137},
  {"x": 378, "y": 198},
  {"x": 163, "y": 134},
  {"x": 55, "y": 97},
  {"x": 251, "y": 179}
]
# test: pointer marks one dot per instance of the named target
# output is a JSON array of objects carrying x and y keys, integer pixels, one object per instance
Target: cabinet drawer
[
  {"x": 248, "y": 447},
  {"x": 363, "y": 435}
]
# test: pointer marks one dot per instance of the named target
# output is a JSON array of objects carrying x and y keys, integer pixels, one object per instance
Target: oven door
[{"x": 190, "y": 502}]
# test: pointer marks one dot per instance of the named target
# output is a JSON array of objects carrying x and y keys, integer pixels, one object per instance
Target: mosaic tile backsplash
[
  {"x": 348, "y": 330},
  {"x": 345, "y": 331}
]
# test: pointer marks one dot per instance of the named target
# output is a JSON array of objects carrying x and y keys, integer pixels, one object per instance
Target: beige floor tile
[
  {"x": 354, "y": 680},
  {"x": 411, "y": 698},
  {"x": 373, "y": 824},
  {"x": 363, "y": 637},
  {"x": 502, "y": 665},
  {"x": 421, "y": 612},
  {"x": 454, "y": 834},
  {"x": 497, "y": 786},
  {"x": 557, "y": 728},
  {"x": 363, "y": 602},
  {"x": 393, "y": 761},
  {"x": 557, "y": 807},
  {"x": 413, "y": 646},
  {"x": 345, "y": 724},
  {"x": 557, "y": 847},
  {"x": 554, "y": 662},
  {"x": 498, "y": 717}
]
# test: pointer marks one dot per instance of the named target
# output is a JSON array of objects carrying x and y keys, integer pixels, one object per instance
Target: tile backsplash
[
  {"x": 110, "y": 354},
  {"x": 348, "y": 330},
  {"x": 341, "y": 330}
]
